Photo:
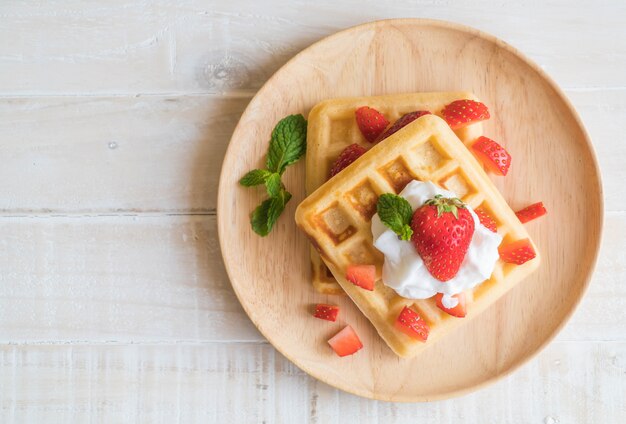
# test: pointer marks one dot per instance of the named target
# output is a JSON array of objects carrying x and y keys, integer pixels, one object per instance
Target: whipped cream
[{"x": 404, "y": 270}]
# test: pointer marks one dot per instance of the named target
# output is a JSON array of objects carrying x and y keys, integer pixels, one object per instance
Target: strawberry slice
[
  {"x": 346, "y": 342},
  {"x": 346, "y": 157},
  {"x": 410, "y": 323},
  {"x": 531, "y": 212},
  {"x": 363, "y": 276},
  {"x": 461, "y": 113},
  {"x": 518, "y": 252},
  {"x": 371, "y": 122},
  {"x": 458, "y": 311},
  {"x": 327, "y": 312},
  {"x": 486, "y": 219},
  {"x": 402, "y": 122},
  {"x": 492, "y": 155}
]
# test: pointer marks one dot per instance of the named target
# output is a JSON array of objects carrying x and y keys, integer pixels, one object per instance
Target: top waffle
[
  {"x": 332, "y": 127},
  {"x": 337, "y": 219}
]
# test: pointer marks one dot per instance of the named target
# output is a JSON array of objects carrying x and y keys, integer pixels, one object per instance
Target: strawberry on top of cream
[{"x": 404, "y": 270}]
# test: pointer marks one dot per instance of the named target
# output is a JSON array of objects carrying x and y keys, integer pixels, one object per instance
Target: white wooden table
[{"x": 114, "y": 302}]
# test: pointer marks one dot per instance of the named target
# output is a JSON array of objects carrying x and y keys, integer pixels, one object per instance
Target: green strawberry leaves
[
  {"x": 287, "y": 146},
  {"x": 396, "y": 213}
]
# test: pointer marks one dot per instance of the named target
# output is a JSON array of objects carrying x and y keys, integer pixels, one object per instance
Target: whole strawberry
[{"x": 442, "y": 232}]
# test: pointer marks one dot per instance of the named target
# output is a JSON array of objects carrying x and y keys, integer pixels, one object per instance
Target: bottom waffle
[{"x": 332, "y": 127}]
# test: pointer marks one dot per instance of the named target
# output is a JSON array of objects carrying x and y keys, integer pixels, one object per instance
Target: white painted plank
[
  {"x": 113, "y": 154},
  {"x": 568, "y": 383},
  {"x": 119, "y": 279},
  {"x": 214, "y": 46},
  {"x": 168, "y": 151},
  {"x": 161, "y": 279}
]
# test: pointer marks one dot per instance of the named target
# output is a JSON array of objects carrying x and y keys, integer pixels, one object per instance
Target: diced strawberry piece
[
  {"x": 464, "y": 112},
  {"x": 531, "y": 212},
  {"x": 371, "y": 122},
  {"x": 346, "y": 157},
  {"x": 402, "y": 122},
  {"x": 518, "y": 252},
  {"x": 363, "y": 276},
  {"x": 492, "y": 155},
  {"x": 346, "y": 342},
  {"x": 410, "y": 323},
  {"x": 327, "y": 312},
  {"x": 486, "y": 220},
  {"x": 458, "y": 311}
]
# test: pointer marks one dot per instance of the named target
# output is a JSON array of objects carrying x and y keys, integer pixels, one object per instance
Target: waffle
[
  {"x": 337, "y": 220},
  {"x": 332, "y": 127}
]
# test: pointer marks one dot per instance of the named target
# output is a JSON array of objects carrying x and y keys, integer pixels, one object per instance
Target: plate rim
[{"x": 437, "y": 23}]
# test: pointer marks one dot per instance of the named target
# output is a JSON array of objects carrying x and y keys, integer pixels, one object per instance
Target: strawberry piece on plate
[
  {"x": 411, "y": 324},
  {"x": 327, "y": 312},
  {"x": 346, "y": 342},
  {"x": 461, "y": 113},
  {"x": 346, "y": 157},
  {"x": 458, "y": 311},
  {"x": 371, "y": 122},
  {"x": 486, "y": 220},
  {"x": 442, "y": 232},
  {"x": 402, "y": 122},
  {"x": 531, "y": 212},
  {"x": 363, "y": 276},
  {"x": 492, "y": 155},
  {"x": 518, "y": 252}
]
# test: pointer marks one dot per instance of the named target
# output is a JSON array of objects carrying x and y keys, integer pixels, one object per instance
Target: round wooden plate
[{"x": 553, "y": 161}]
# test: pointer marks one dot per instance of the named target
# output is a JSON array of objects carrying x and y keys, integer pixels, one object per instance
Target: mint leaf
[
  {"x": 255, "y": 177},
  {"x": 266, "y": 214},
  {"x": 288, "y": 143},
  {"x": 273, "y": 184},
  {"x": 258, "y": 220},
  {"x": 396, "y": 213},
  {"x": 277, "y": 207}
]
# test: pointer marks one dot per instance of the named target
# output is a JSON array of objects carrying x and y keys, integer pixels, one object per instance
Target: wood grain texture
[
  {"x": 116, "y": 279},
  {"x": 408, "y": 55},
  {"x": 115, "y": 155},
  {"x": 233, "y": 46},
  {"x": 135, "y": 279},
  {"x": 185, "y": 138},
  {"x": 250, "y": 383},
  {"x": 69, "y": 74}
]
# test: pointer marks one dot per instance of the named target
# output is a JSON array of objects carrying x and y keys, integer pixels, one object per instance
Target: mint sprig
[
  {"x": 396, "y": 213},
  {"x": 287, "y": 145}
]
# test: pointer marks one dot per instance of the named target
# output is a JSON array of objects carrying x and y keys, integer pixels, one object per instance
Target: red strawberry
[
  {"x": 410, "y": 323},
  {"x": 346, "y": 157},
  {"x": 363, "y": 276},
  {"x": 371, "y": 122},
  {"x": 346, "y": 342},
  {"x": 458, "y": 311},
  {"x": 327, "y": 312},
  {"x": 402, "y": 122},
  {"x": 486, "y": 220},
  {"x": 460, "y": 113},
  {"x": 492, "y": 155},
  {"x": 531, "y": 212},
  {"x": 442, "y": 232},
  {"x": 518, "y": 252}
]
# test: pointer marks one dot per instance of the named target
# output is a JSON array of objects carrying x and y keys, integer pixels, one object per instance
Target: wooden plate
[{"x": 553, "y": 161}]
